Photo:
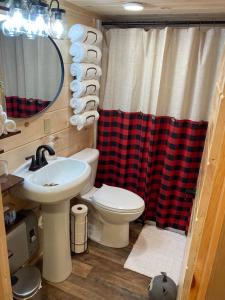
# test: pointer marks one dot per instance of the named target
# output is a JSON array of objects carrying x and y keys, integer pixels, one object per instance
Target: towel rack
[
  {"x": 90, "y": 85},
  {"x": 93, "y": 33},
  {"x": 93, "y": 54},
  {"x": 91, "y": 68},
  {"x": 89, "y": 101},
  {"x": 92, "y": 116},
  {"x": 91, "y": 50}
]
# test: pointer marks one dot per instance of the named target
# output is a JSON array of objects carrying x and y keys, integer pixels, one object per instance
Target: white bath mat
[{"x": 156, "y": 251}]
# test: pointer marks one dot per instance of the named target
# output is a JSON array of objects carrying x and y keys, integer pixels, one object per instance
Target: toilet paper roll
[
  {"x": 79, "y": 228},
  {"x": 80, "y": 248},
  {"x": 79, "y": 238},
  {"x": 79, "y": 210}
]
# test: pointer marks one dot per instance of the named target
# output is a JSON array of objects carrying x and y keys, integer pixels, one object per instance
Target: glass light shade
[
  {"x": 58, "y": 27},
  {"x": 40, "y": 20},
  {"x": 14, "y": 25},
  {"x": 29, "y": 31}
]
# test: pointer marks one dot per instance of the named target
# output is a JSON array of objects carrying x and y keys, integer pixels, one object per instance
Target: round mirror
[{"x": 31, "y": 75}]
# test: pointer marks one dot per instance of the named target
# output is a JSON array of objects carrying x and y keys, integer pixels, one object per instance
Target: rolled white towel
[
  {"x": 10, "y": 125},
  {"x": 84, "y": 71},
  {"x": 83, "y": 104},
  {"x": 85, "y": 53},
  {"x": 3, "y": 117},
  {"x": 84, "y": 88},
  {"x": 84, "y": 119},
  {"x": 84, "y": 34}
]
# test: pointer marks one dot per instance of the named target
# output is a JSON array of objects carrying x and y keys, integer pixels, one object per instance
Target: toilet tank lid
[{"x": 88, "y": 154}]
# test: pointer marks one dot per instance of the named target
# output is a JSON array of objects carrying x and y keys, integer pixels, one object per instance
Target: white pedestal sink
[{"x": 53, "y": 186}]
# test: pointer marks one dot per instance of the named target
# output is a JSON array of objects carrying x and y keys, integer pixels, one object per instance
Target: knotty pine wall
[{"x": 67, "y": 139}]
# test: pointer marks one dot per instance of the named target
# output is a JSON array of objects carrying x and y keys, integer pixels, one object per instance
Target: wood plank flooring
[{"x": 99, "y": 275}]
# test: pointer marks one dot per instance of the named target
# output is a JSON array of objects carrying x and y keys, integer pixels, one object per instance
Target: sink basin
[
  {"x": 53, "y": 186},
  {"x": 62, "y": 178}
]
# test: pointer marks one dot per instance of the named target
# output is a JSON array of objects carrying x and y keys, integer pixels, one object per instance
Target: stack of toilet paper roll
[{"x": 79, "y": 228}]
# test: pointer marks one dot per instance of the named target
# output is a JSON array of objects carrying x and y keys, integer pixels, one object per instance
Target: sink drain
[{"x": 50, "y": 184}]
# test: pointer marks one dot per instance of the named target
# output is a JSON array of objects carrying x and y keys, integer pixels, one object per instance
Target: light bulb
[
  {"x": 57, "y": 29},
  {"x": 41, "y": 27},
  {"x": 14, "y": 25},
  {"x": 30, "y": 29},
  {"x": 40, "y": 19},
  {"x": 58, "y": 24}
]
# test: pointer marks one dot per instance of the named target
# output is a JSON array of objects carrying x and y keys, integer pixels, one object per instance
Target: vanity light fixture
[
  {"x": 133, "y": 6},
  {"x": 33, "y": 18}
]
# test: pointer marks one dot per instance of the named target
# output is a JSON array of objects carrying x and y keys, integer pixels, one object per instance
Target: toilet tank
[{"x": 90, "y": 156}]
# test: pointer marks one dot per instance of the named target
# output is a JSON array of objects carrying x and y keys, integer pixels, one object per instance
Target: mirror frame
[{"x": 60, "y": 85}]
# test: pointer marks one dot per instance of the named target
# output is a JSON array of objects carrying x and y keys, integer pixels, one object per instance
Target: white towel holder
[{"x": 91, "y": 118}]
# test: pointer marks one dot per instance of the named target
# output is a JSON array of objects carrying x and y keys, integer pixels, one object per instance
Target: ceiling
[{"x": 155, "y": 9}]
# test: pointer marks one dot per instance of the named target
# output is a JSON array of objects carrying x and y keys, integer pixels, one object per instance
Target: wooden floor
[{"x": 99, "y": 275}]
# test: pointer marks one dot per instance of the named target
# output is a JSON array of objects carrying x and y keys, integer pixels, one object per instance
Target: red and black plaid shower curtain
[
  {"x": 156, "y": 157},
  {"x": 17, "y": 107},
  {"x": 155, "y": 103}
]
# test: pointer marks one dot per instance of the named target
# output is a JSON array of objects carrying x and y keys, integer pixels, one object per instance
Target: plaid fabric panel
[
  {"x": 22, "y": 108},
  {"x": 156, "y": 157}
]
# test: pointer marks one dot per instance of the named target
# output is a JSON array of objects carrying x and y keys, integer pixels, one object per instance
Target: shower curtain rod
[{"x": 162, "y": 23}]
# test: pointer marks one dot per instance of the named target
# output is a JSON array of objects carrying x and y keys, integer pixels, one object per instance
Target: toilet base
[
  {"x": 116, "y": 236},
  {"x": 110, "y": 235}
]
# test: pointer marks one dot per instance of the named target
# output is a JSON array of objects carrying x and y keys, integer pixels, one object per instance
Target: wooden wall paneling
[
  {"x": 215, "y": 288},
  {"x": 68, "y": 78},
  {"x": 214, "y": 214},
  {"x": 62, "y": 100},
  {"x": 59, "y": 120},
  {"x": 158, "y": 10},
  {"x": 214, "y": 225},
  {"x": 77, "y": 14},
  {"x": 5, "y": 282},
  {"x": 66, "y": 141},
  {"x": 207, "y": 200},
  {"x": 64, "y": 46}
]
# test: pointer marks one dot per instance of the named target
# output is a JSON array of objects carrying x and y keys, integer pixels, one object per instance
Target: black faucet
[{"x": 40, "y": 160}]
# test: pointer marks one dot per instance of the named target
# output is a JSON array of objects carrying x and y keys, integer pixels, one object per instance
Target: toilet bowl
[{"x": 111, "y": 209}]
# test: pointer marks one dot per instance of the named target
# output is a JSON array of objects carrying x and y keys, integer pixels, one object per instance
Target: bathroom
[{"x": 139, "y": 162}]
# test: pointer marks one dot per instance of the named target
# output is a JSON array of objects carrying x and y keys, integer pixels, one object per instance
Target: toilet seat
[{"x": 118, "y": 200}]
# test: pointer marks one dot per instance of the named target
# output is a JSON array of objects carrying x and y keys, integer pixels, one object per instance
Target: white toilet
[{"x": 110, "y": 208}]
